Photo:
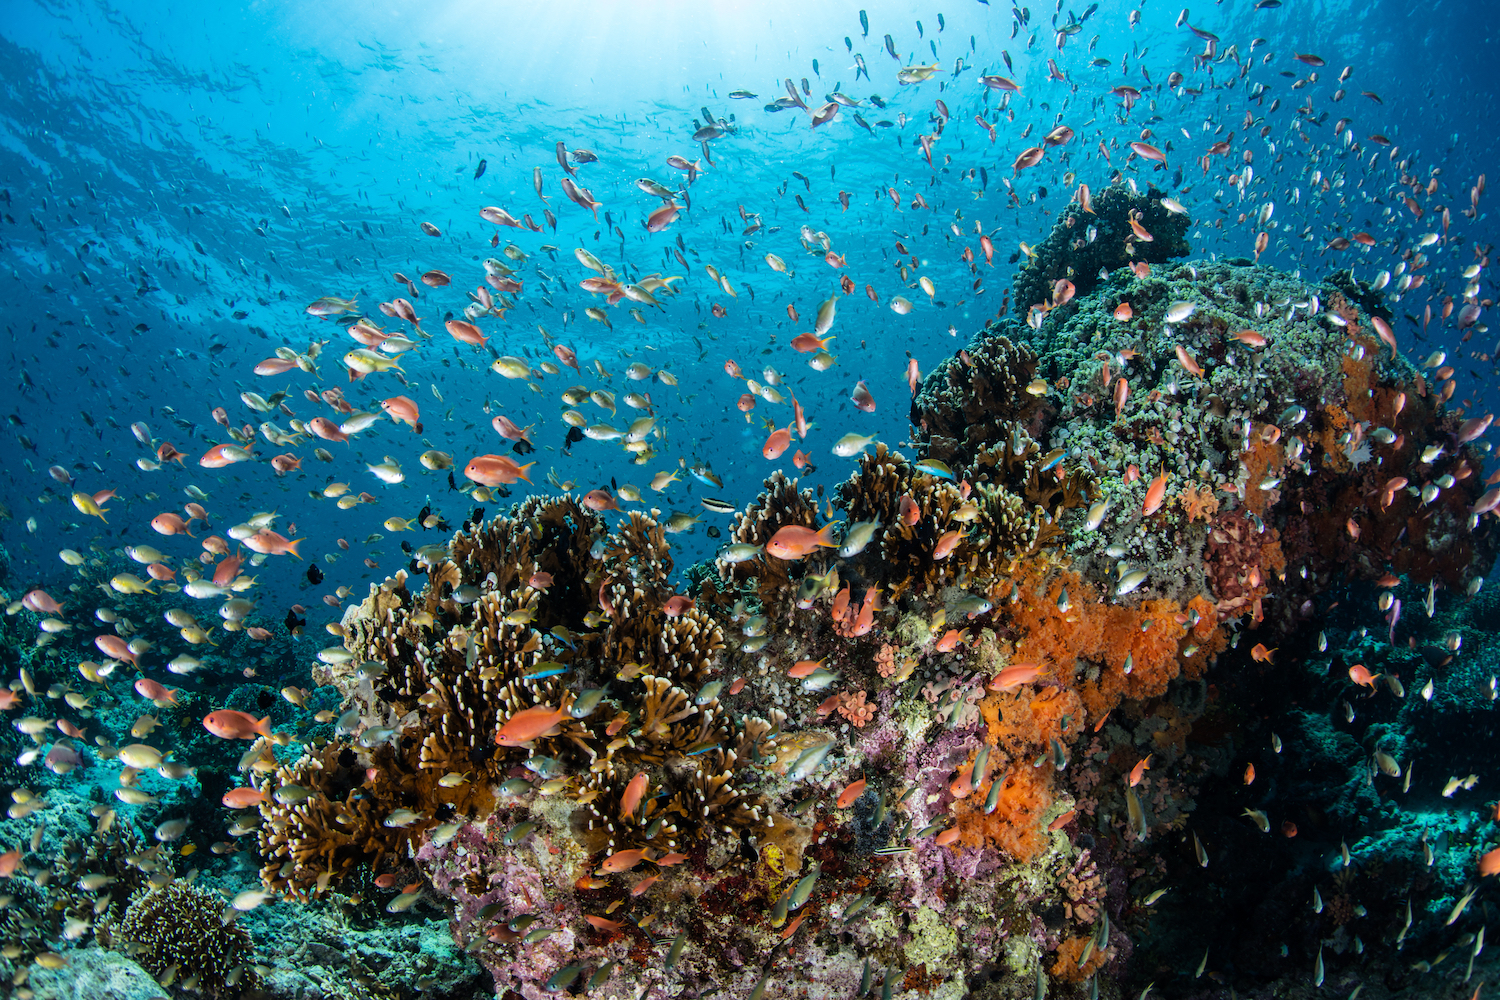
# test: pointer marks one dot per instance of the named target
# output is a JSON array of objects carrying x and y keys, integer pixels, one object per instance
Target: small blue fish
[{"x": 933, "y": 467}]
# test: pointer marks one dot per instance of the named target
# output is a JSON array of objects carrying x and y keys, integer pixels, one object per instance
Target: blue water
[{"x": 178, "y": 185}]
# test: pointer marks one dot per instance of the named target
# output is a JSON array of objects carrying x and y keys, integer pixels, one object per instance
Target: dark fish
[
  {"x": 713, "y": 532},
  {"x": 864, "y": 22},
  {"x": 523, "y": 447},
  {"x": 314, "y": 575},
  {"x": 293, "y": 623},
  {"x": 816, "y": 71},
  {"x": 890, "y": 46},
  {"x": 479, "y": 170}
]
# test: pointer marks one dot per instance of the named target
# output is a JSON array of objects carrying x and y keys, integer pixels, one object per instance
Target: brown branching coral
[
  {"x": 333, "y": 821},
  {"x": 180, "y": 927},
  {"x": 779, "y": 504},
  {"x": 992, "y": 524}
]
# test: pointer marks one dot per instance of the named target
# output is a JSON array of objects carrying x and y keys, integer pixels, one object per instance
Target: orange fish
[
  {"x": 116, "y": 648},
  {"x": 1062, "y": 821},
  {"x": 803, "y": 668},
  {"x": 866, "y": 620},
  {"x": 225, "y": 572},
  {"x": 529, "y": 724},
  {"x": 1186, "y": 360},
  {"x": 217, "y": 458},
  {"x": 946, "y": 544},
  {"x": 493, "y": 470},
  {"x": 634, "y": 792},
  {"x": 508, "y": 429},
  {"x": 777, "y": 444},
  {"x": 228, "y": 724},
  {"x": 326, "y": 429},
  {"x": 466, "y": 333},
  {"x": 806, "y": 343},
  {"x": 793, "y": 541},
  {"x": 800, "y": 459},
  {"x": 1260, "y": 654},
  {"x": 1489, "y": 864},
  {"x": 1149, "y": 152},
  {"x": 1249, "y": 338},
  {"x": 1249, "y": 774},
  {"x": 1386, "y": 334},
  {"x": 1014, "y": 676},
  {"x": 1288, "y": 828},
  {"x": 951, "y": 639},
  {"x": 1139, "y": 771},
  {"x": 1156, "y": 494},
  {"x": 1361, "y": 676},
  {"x": 850, "y": 794},
  {"x": 273, "y": 543},
  {"x": 841, "y": 604},
  {"x": 598, "y": 500},
  {"x": 1123, "y": 312},
  {"x": 623, "y": 861}
]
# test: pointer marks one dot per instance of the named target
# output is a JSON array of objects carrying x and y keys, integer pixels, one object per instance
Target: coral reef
[
  {"x": 178, "y": 932},
  {"x": 986, "y": 711}
]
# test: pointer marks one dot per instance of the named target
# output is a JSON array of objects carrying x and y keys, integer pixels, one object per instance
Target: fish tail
[
  {"x": 825, "y": 536},
  {"x": 291, "y": 547},
  {"x": 521, "y": 472},
  {"x": 263, "y": 727}
]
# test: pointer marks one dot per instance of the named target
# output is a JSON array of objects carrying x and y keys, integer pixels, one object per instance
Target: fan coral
[{"x": 180, "y": 927}]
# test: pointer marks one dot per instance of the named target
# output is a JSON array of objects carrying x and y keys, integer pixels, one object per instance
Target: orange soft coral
[
  {"x": 1069, "y": 952},
  {"x": 1020, "y": 721},
  {"x": 1104, "y": 635},
  {"x": 1015, "y": 826}
]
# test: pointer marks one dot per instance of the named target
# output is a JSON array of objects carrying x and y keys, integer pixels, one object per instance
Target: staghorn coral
[{"x": 179, "y": 929}]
